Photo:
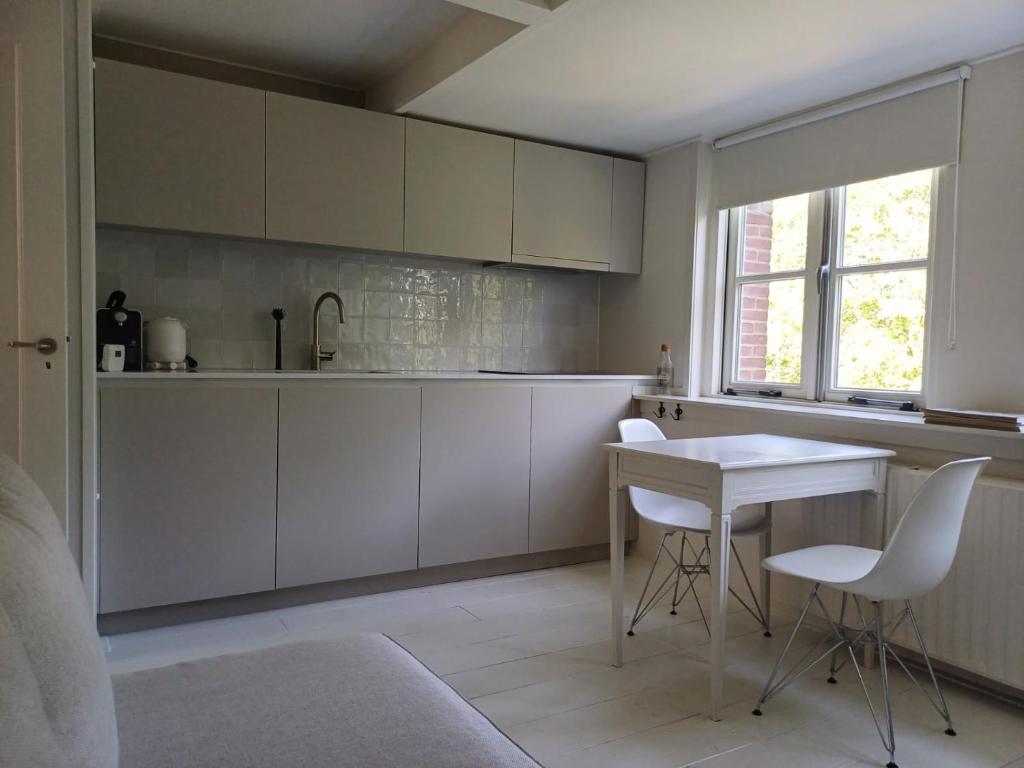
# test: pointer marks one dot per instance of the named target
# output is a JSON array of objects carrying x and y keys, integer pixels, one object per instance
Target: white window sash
[
  {"x": 830, "y": 391},
  {"x": 804, "y": 389}
]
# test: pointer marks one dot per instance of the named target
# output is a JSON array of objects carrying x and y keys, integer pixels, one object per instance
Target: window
[{"x": 826, "y": 292}]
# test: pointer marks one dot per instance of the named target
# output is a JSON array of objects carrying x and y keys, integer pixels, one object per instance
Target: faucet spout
[{"x": 318, "y": 356}]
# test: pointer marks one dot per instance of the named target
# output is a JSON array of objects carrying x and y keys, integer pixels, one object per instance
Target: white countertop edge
[
  {"x": 894, "y": 418},
  {"x": 239, "y": 375}
]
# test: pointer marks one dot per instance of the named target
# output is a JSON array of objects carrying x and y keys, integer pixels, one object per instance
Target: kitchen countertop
[{"x": 223, "y": 374}]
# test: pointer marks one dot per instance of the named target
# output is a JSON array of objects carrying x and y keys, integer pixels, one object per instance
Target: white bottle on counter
[{"x": 665, "y": 371}]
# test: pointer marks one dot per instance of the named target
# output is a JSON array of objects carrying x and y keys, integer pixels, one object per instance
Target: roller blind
[{"x": 907, "y": 133}]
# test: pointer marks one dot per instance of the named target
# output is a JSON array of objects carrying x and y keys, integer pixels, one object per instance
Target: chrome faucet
[{"x": 317, "y": 355}]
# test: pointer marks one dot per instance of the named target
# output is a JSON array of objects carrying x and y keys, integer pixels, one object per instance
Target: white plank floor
[{"x": 531, "y": 651}]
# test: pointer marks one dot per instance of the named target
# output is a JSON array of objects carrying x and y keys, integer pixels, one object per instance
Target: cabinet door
[
  {"x": 475, "y": 478},
  {"x": 348, "y": 482},
  {"x": 569, "y": 471},
  {"x": 627, "y": 216},
  {"x": 458, "y": 192},
  {"x": 187, "y": 484},
  {"x": 563, "y": 204},
  {"x": 334, "y": 174},
  {"x": 178, "y": 152}
]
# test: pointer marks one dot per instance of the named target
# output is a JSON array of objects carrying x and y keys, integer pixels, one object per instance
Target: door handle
[{"x": 45, "y": 346}]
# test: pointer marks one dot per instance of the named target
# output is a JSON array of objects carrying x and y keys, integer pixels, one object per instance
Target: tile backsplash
[{"x": 403, "y": 312}]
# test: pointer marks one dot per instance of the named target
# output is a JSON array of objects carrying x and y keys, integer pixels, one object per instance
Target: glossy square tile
[
  {"x": 403, "y": 305},
  {"x": 402, "y": 332},
  {"x": 375, "y": 330},
  {"x": 237, "y": 265},
  {"x": 378, "y": 277},
  {"x": 378, "y": 304},
  {"x": 172, "y": 262}
]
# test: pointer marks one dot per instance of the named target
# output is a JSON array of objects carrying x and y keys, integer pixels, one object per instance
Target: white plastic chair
[
  {"x": 917, "y": 558},
  {"x": 675, "y": 515}
]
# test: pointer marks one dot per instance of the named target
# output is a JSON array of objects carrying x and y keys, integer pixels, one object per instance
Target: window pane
[
  {"x": 881, "y": 330},
  {"x": 888, "y": 219},
  {"x": 775, "y": 235},
  {"x": 771, "y": 320}
]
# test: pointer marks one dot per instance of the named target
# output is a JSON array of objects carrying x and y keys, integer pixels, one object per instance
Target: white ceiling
[
  {"x": 638, "y": 75},
  {"x": 342, "y": 42}
]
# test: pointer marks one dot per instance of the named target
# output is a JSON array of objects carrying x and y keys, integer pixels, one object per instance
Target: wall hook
[
  {"x": 677, "y": 414},
  {"x": 660, "y": 411}
]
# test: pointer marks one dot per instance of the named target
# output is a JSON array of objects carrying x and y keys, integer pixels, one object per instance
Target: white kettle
[{"x": 165, "y": 343}]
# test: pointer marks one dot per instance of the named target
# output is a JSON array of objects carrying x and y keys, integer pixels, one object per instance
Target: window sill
[{"x": 829, "y": 411}]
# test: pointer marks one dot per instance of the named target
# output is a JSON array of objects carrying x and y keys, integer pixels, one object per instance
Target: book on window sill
[{"x": 954, "y": 417}]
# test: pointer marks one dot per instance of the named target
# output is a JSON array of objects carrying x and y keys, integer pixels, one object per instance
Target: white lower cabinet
[
  {"x": 348, "y": 482},
  {"x": 186, "y": 494},
  {"x": 568, "y": 469},
  {"x": 212, "y": 491},
  {"x": 475, "y": 473}
]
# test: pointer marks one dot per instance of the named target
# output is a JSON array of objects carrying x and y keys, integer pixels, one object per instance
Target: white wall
[
  {"x": 639, "y": 313},
  {"x": 986, "y": 369}
]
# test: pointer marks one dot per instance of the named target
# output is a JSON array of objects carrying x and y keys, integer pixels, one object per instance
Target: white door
[{"x": 33, "y": 244}]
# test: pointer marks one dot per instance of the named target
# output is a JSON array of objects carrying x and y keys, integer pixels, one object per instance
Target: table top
[{"x": 749, "y": 451}]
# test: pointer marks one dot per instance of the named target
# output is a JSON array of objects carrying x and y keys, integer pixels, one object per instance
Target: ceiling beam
[
  {"x": 520, "y": 11},
  {"x": 472, "y": 36}
]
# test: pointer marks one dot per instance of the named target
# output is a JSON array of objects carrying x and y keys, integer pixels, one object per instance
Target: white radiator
[{"x": 975, "y": 619}]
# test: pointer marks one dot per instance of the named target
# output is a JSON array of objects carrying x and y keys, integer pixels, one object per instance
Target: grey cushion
[
  {"x": 357, "y": 700},
  {"x": 56, "y": 707}
]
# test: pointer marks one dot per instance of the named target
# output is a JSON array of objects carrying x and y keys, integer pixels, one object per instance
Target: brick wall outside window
[{"x": 757, "y": 259}]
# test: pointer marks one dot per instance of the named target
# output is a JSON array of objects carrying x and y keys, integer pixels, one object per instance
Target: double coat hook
[{"x": 660, "y": 411}]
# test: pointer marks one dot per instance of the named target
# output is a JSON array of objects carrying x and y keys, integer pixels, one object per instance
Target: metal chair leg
[
  {"x": 832, "y": 667},
  {"x": 679, "y": 572},
  {"x": 639, "y": 604},
  {"x": 765, "y": 550},
  {"x": 757, "y": 612},
  {"x": 944, "y": 708},
  {"x": 768, "y": 687},
  {"x": 701, "y": 565},
  {"x": 886, "y": 693}
]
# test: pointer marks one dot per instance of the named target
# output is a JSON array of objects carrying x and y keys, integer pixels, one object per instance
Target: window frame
[{"x": 822, "y": 273}]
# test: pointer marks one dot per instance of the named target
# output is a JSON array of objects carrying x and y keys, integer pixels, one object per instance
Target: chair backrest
[
  {"x": 922, "y": 547},
  {"x": 640, "y": 431},
  {"x": 56, "y": 702}
]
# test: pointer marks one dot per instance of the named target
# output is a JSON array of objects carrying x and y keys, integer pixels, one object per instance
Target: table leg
[
  {"x": 721, "y": 530},
  {"x": 766, "y": 575},
  {"x": 617, "y": 537}
]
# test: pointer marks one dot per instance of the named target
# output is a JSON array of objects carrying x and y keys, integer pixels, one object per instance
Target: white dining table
[{"x": 724, "y": 473}]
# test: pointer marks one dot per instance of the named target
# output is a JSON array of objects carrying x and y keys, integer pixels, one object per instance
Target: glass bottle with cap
[{"x": 665, "y": 370}]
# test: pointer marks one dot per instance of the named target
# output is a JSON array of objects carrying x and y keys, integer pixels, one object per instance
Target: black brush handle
[{"x": 278, "y": 314}]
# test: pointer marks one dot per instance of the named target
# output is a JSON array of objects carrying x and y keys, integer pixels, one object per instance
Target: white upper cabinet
[
  {"x": 458, "y": 192},
  {"x": 627, "y": 216},
  {"x": 335, "y": 175},
  {"x": 178, "y": 152},
  {"x": 563, "y": 207}
]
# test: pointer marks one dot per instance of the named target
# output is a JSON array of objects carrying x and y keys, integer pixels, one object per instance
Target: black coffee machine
[{"x": 117, "y": 325}]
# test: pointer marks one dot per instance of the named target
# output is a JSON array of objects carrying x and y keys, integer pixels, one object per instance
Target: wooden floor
[{"x": 531, "y": 652}]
